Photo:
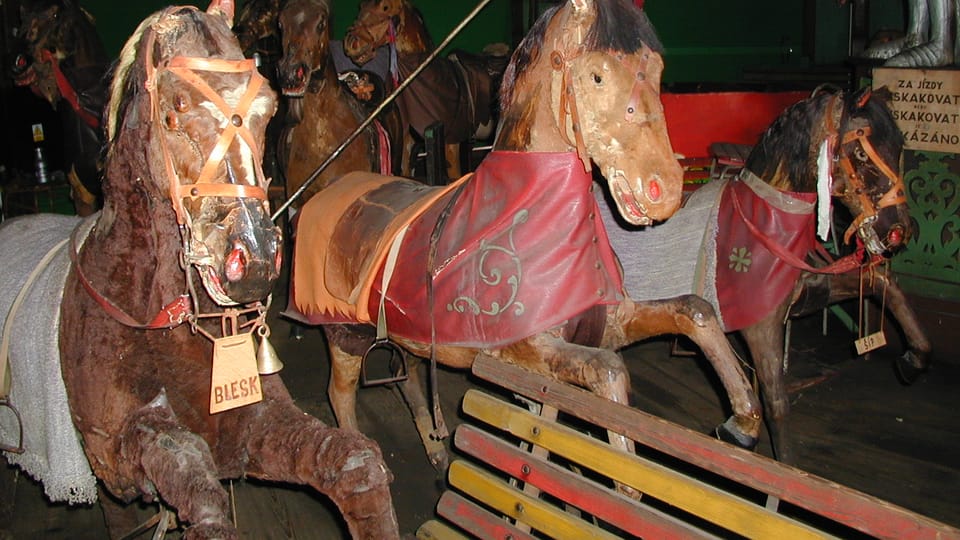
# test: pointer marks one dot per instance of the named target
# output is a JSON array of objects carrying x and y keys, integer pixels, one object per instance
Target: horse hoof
[
  {"x": 440, "y": 460},
  {"x": 727, "y": 432},
  {"x": 908, "y": 368}
]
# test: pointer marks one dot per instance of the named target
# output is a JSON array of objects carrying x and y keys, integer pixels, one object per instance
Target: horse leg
[
  {"x": 412, "y": 391},
  {"x": 765, "y": 340},
  {"x": 176, "y": 464},
  {"x": 346, "y": 349},
  {"x": 406, "y": 159},
  {"x": 602, "y": 371},
  {"x": 695, "y": 318},
  {"x": 452, "y": 154},
  {"x": 916, "y": 359},
  {"x": 286, "y": 445}
]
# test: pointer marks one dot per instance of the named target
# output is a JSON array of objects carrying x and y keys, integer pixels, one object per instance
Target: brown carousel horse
[
  {"x": 512, "y": 261},
  {"x": 460, "y": 90},
  {"x": 63, "y": 61},
  {"x": 322, "y": 112},
  {"x": 185, "y": 198},
  {"x": 755, "y": 233}
]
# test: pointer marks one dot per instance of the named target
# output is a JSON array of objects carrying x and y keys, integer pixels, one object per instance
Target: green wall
[{"x": 117, "y": 20}]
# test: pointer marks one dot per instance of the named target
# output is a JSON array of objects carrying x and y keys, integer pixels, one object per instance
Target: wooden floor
[{"x": 858, "y": 427}]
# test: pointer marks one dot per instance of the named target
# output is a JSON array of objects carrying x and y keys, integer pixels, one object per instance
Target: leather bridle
[{"x": 186, "y": 306}]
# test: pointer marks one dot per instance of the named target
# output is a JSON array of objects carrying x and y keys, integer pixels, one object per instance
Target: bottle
[{"x": 40, "y": 162}]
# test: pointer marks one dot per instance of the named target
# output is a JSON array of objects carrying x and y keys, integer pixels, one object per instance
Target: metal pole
[{"x": 386, "y": 102}]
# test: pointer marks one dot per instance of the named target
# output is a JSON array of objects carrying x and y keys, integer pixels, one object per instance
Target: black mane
[{"x": 619, "y": 27}]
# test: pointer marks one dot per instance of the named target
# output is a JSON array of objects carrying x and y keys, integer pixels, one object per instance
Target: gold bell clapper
[{"x": 268, "y": 362}]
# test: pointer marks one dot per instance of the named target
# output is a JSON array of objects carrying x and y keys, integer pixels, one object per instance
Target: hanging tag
[
  {"x": 870, "y": 342},
  {"x": 235, "y": 381}
]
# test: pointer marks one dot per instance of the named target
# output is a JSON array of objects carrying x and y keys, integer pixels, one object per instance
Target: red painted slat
[
  {"x": 602, "y": 502},
  {"x": 475, "y": 520}
]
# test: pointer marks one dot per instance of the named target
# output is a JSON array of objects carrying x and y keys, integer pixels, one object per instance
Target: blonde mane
[{"x": 128, "y": 56}]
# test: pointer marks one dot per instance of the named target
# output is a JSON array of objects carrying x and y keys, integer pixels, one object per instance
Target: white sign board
[{"x": 926, "y": 105}]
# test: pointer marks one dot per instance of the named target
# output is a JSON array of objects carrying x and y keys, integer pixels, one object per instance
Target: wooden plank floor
[{"x": 859, "y": 427}]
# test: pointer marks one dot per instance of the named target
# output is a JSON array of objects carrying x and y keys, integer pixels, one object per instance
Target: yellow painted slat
[
  {"x": 436, "y": 530},
  {"x": 540, "y": 516},
  {"x": 694, "y": 496}
]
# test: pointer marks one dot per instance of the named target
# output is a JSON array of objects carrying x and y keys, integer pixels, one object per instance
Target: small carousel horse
[
  {"x": 63, "y": 60},
  {"x": 185, "y": 198},
  {"x": 755, "y": 232},
  {"x": 512, "y": 261},
  {"x": 460, "y": 90},
  {"x": 322, "y": 112}
]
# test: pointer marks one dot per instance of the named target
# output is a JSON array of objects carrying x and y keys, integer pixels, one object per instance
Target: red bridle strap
[
  {"x": 894, "y": 196},
  {"x": 67, "y": 90}
]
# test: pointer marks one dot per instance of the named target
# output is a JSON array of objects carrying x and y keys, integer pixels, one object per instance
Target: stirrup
[
  {"x": 18, "y": 449},
  {"x": 396, "y": 363}
]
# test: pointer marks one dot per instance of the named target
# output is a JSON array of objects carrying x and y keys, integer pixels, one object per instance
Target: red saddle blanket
[
  {"x": 521, "y": 250},
  {"x": 752, "y": 280}
]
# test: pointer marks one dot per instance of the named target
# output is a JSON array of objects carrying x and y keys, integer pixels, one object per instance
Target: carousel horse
[
  {"x": 460, "y": 90},
  {"x": 755, "y": 232},
  {"x": 512, "y": 261},
  {"x": 118, "y": 311},
  {"x": 322, "y": 111},
  {"x": 257, "y": 29},
  {"x": 63, "y": 61}
]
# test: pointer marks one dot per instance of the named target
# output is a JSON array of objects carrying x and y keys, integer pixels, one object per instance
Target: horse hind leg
[
  {"x": 695, "y": 318},
  {"x": 171, "y": 462}
]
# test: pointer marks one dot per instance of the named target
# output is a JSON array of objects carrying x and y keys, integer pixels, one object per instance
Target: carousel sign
[{"x": 926, "y": 106}]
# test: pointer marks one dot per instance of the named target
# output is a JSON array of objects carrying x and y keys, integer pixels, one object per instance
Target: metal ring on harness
[{"x": 4, "y": 402}]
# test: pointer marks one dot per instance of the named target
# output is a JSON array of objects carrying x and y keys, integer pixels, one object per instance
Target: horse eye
[
  {"x": 861, "y": 155},
  {"x": 181, "y": 103},
  {"x": 597, "y": 78}
]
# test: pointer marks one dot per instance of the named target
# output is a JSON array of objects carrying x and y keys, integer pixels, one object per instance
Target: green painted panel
[{"x": 930, "y": 266}]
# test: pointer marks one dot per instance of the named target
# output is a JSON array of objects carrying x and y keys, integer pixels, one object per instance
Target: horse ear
[
  {"x": 582, "y": 7},
  {"x": 883, "y": 93},
  {"x": 223, "y": 8},
  {"x": 862, "y": 97}
]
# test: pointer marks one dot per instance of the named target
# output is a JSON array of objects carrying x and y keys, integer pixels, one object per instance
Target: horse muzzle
[{"x": 652, "y": 199}]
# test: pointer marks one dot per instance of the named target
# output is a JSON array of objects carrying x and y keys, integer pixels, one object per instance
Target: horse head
[
  {"x": 380, "y": 22},
  {"x": 55, "y": 35},
  {"x": 184, "y": 89},
  {"x": 869, "y": 182},
  {"x": 595, "y": 67},
  {"x": 256, "y": 22},
  {"x": 305, "y": 34}
]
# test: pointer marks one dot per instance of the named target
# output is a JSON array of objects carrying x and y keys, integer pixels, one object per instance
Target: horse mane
[
  {"x": 126, "y": 82},
  {"x": 789, "y": 146},
  {"x": 619, "y": 27}
]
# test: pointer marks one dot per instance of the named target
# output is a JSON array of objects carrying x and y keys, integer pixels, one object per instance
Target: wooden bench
[{"x": 527, "y": 472}]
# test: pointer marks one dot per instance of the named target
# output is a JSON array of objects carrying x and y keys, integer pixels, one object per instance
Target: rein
[
  {"x": 67, "y": 90},
  {"x": 185, "y": 308}
]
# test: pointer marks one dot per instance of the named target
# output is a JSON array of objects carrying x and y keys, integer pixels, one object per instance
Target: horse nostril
[
  {"x": 895, "y": 236},
  {"x": 236, "y": 264},
  {"x": 655, "y": 191}
]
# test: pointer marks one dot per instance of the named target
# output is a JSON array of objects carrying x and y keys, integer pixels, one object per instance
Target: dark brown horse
[
  {"x": 322, "y": 112},
  {"x": 140, "y": 340},
  {"x": 62, "y": 60},
  {"x": 512, "y": 262},
  {"x": 459, "y": 91},
  {"x": 750, "y": 259}
]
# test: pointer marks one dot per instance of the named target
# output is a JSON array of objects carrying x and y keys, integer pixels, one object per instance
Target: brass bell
[{"x": 267, "y": 360}]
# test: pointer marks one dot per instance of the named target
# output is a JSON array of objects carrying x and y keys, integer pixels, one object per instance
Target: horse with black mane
[
  {"x": 512, "y": 262},
  {"x": 756, "y": 233},
  {"x": 114, "y": 304},
  {"x": 63, "y": 61}
]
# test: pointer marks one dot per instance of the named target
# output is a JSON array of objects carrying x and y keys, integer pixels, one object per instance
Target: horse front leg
[
  {"x": 412, "y": 391},
  {"x": 345, "y": 349},
  {"x": 286, "y": 445},
  {"x": 176, "y": 464},
  {"x": 885, "y": 292},
  {"x": 602, "y": 371},
  {"x": 765, "y": 340},
  {"x": 694, "y": 317}
]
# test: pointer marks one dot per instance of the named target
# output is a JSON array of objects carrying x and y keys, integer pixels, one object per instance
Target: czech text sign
[{"x": 926, "y": 105}]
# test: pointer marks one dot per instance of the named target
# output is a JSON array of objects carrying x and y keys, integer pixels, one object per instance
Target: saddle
[{"x": 343, "y": 237}]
